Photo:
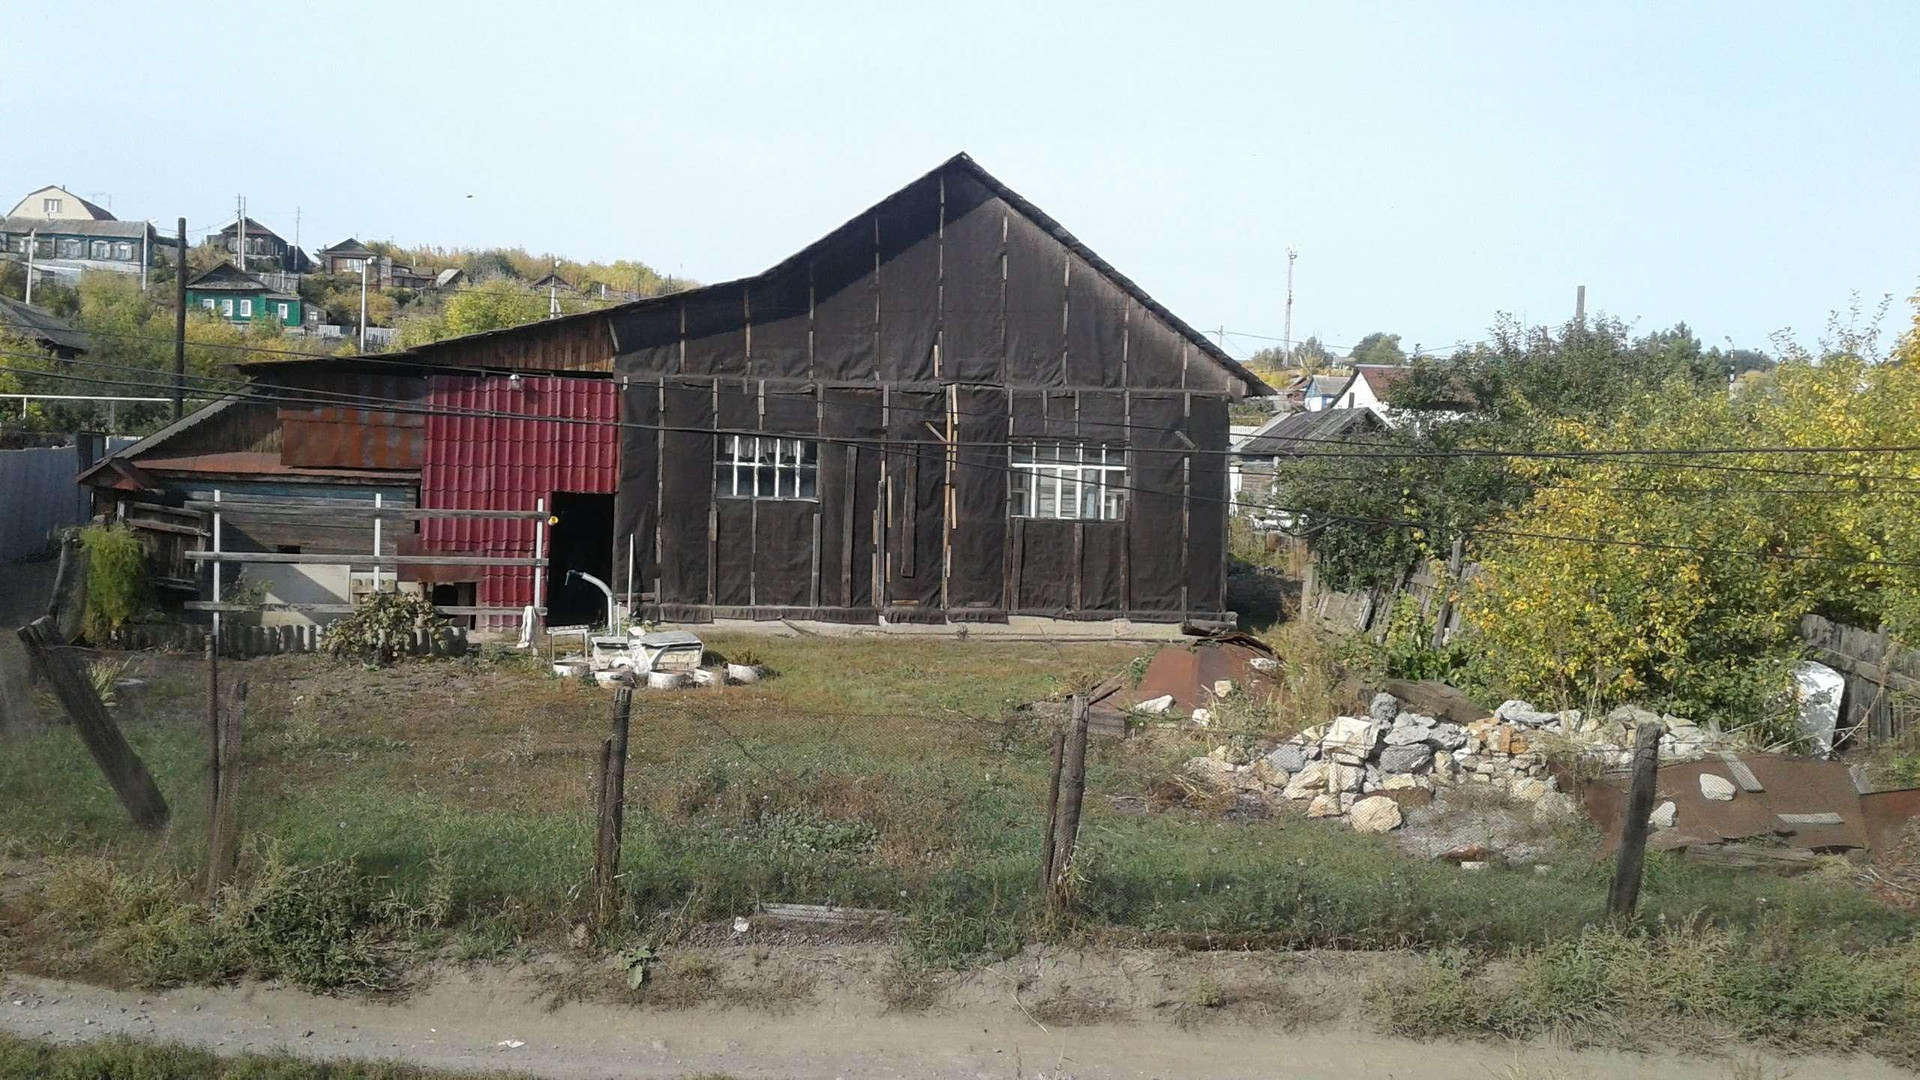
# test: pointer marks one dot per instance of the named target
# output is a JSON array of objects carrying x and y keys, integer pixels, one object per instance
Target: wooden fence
[
  {"x": 244, "y": 641},
  {"x": 1882, "y": 699}
]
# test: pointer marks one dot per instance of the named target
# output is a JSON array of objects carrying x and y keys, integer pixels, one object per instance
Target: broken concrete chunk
[
  {"x": 1376, "y": 814},
  {"x": 1406, "y": 759},
  {"x": 1717, "y": 788},
  {"x": 1383, "y": 709},
  {"x": 1222, "y": 687},
  {"x": 1447, "y": 737},
  {"x": 1155, "y": 705},
  {"x": 1663, "y": 815},
  {"x": 1344, "y": 777}
]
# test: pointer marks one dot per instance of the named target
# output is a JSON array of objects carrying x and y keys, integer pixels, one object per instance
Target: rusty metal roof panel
[{"x": 494, "y": 445}]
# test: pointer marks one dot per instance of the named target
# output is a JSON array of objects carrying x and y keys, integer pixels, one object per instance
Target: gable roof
[
  {"x": 1293, "y": 433},
  {"x": 254, "y": 228},
  {"x": 226, "y": 277},
  {"x": 351, "y": 248},
  {"x": 127, "y": 453},
  {"x": 94, "y": 210},
  {"x": 566, "y": 323},
  {"x": 39, "y": 324}
]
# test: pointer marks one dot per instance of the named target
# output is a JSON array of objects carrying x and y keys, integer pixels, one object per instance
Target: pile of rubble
[{"x": 1362, "y": 769}]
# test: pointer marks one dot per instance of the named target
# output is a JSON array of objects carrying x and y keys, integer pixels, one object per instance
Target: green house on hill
[{"x": 238, "y": 296}]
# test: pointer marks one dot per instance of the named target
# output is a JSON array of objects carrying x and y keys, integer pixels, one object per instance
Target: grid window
[
  {"x": 1068, "y": 481},
  {"x": 753, "y": 467}
]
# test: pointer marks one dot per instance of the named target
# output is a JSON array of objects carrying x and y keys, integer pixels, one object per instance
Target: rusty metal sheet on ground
[
  {"x": 1188, "y": 673},
  {"x": 1793, "y": 785}
]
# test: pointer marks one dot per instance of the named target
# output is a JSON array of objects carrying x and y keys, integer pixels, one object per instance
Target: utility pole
[
  {"x": 1286, "y": 324},
  {"x": 240, "y": 225},
  {"x": 553, "y": 291},
  {"x": 180, "y": 325},
  {"x": 33, "y": 245},
  {"x": 363, "y": 305},
  {"x": 296, "y": 229},
  {"x": 1580, "y": 305}
]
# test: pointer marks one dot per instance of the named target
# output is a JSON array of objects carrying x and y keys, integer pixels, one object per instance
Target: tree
[{"x": 1378, "y": 348}]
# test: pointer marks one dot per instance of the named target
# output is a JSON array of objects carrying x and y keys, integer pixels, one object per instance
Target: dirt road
[{"x": 494, "y": 1019}]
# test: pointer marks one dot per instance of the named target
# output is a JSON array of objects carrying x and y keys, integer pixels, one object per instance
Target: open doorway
[{"x": 582, "y": 539}]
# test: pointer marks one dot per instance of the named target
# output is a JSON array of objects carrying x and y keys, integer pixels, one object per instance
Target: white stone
[
  {"x": 1344, "y": 777},
  {"x": 1324, "y": 806},
  {"x": 1309, "y": 781},
  {"x": 1155, "y": 705},
  {"x": 1377, "y": 814},
  {"x": 1523, "y": 713},
  {"x": 1531, "y": 790},
  {"x": 1351, "y": 739},
  {"x": 1473, "y": 864},
  {"x": 1202, "y": 716},
  {"x": 1399, "y": 782},
  {"x": 1222, "y": 687},
  {"x": 1717, "y": 788},
  {"x": 1663, "y": 815}
]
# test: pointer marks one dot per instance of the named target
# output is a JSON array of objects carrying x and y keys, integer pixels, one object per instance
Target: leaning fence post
[
  {"x": 1073, "y": 774},
  {"x": 131, "y": 781},
  {"x": 1053, "y": 810},
  {"x": 223, "y": 827},
  {"x": 611, "y": 806},
  {"x": 1624, "y": 896},
  {"x": 213, "y": 737}
]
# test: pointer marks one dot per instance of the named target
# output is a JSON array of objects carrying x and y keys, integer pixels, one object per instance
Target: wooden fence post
[
  {"x": 612, "y": 800},
  {"x": 1624, "y": 896},
  {"x": 123, "y": 768},
  {"x": 1053, "y": 810},
  {"x": 1456, "y": 564},
  {"x": 223, "y": 826},
  {"x": 213, "y": 737},
  {"x": 1073, "y": 774}
]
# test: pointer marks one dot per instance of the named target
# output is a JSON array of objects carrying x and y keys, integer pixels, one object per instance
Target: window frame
[
  {"x": 738, "y": 458},
  {"x": 226, "y": 306},
  {"x": 50, "y": 205},
  {"x": 1056, "y": 477}
]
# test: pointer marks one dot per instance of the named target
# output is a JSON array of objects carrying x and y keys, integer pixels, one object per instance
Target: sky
[{"x": 1743, "y": 167}]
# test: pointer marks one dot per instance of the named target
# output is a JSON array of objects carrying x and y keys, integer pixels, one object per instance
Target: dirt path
[{"x": 494, "y": 1019}]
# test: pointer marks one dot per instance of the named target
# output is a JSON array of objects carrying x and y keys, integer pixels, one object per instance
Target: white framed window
[
  {"x": 69, "y": 249},
  {"x": 101, "y": 249},
  {"x": 755, "y": 467},
  {"x": 123, "y": 251},
  {"x": 49, "y": 206},
  {"x": 246, "y": 308},
  {"x": 209, "y": 303},
  {"x": 226, "y": 308},
  {"x": 283, "y": 312},
  {"x": 1068, "y": 481}
]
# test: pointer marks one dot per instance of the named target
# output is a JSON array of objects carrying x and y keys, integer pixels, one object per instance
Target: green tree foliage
[
  {"x": 116, "y": 578},
  {"x": 1378, "y": 348}
]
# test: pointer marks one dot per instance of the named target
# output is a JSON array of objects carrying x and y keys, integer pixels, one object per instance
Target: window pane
[
  {"x": 1090, "y": 495},
  {"x": 1047, "y": 493},
  {"x": 1023, "y": 453},
  {"x": 809, "y": 480},
  {"x": 763, "y": 472}
]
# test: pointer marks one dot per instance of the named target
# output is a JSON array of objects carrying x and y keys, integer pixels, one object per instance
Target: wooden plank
[
  {"x": 323, "y": 510},
  {"x": 361, "y": 560},
  {"x": 124, "y": 770},
  {"x": 228, "y": 607},
  {"x": 1741, "y": 774},
  {"x": 1812, "y": 819},
  {"x": 152, "y": 525},
  {"x": 824, "y": 913}
]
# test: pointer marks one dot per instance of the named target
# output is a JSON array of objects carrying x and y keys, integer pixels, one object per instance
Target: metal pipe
[{"x": 603, "y": 586}]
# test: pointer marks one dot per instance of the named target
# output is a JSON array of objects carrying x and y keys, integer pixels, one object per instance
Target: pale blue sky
[{"x": 1743, "y": 166}]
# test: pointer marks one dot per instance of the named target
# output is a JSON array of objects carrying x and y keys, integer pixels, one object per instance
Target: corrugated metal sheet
[{"x": 507, "y": 461}]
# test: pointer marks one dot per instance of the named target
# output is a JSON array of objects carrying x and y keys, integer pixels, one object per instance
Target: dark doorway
[
  {"x": 582, "y": 539},
  {"x": 457, "y": 594}
]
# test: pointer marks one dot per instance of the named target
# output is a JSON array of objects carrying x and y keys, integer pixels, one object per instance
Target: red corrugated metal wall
[{"x": 506, "y": 461}]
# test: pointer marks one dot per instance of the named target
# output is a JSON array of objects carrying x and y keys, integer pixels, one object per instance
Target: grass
[
  {"x": 126, "y": 1059},
  {"x": 444, "y": 808},
  {"x": 1768, "y": 984}
]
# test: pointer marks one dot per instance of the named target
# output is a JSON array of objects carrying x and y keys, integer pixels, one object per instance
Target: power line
[
  {"x": 1374, "y": 451},
  {"x": 916, "y": 449}
]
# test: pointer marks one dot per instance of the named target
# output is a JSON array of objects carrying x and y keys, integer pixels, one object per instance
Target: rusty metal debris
[
  {"x": 1192, "y": 675},
  {"x": 1792, "y": 801}
]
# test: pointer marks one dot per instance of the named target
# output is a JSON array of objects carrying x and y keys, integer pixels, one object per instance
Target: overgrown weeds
[{"x": 1774, "y": 983}]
